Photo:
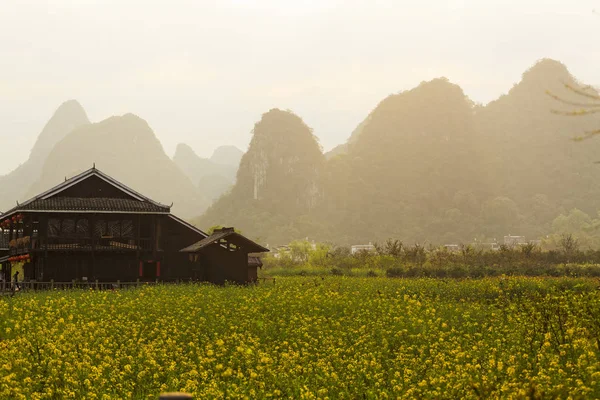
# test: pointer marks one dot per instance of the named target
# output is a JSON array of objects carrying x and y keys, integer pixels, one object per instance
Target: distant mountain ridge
[
  {"x": 227, "y": 155},
  {"x": 127, "y": 149},
  {"x": 427, "y": 165},
  {"x": 213, "y": 176},
  {"x": 69, "y": 116}
]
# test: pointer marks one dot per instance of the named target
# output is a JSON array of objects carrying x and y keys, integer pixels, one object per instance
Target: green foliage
[
  {"x": 213, "y": 228},
  {"x": 395, "y": 260}
]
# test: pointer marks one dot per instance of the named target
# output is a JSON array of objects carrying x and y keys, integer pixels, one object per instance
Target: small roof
[
  {"x": 230, "y": 236},
  {"x": 51, "y": 193}
]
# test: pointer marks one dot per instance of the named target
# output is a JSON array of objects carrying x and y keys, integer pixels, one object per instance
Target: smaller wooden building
[{"x": 227, "y": 255}]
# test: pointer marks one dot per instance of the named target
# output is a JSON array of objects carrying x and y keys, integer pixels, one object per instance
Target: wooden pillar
[
  {"x": 154, "y": 236},
  {"x": 137, "y": 236},
  {"x": 158, "y": 269},
  {"x": 92, "y": 224},
  {"x": 158, "y": 232},
  {"x": 141, "y": 270}
]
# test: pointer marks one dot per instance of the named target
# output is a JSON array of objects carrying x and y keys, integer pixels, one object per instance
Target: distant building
[
  {"x": 280, "y": 251},
  {"x": 357, "y": 248},
  {"x": 452, "y": 247},
  {"x": 512, "y": 240},
  {"x": 492, "y": 246}
]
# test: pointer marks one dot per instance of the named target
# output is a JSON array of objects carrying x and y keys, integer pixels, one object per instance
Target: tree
[
  {"x": 569, "y": 245},
  {"x": 213, "y": 228}
]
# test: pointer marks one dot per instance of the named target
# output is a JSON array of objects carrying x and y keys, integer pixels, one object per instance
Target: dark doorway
[{"x": 148, "y": 271}]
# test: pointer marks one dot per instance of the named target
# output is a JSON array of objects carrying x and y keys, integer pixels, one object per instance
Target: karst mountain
[
  {"x": 426, "y": 165},
  {"x": 127, "y": 149},
  {"x": 214, "y": 175},
  {"x": 68, "y": 116},
  {"x": 279, "y": 180}
]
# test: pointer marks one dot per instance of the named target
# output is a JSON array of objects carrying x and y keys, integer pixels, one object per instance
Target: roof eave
[
  {"x": 82, "y": 176},
  {"x": 84, "y": 212}
]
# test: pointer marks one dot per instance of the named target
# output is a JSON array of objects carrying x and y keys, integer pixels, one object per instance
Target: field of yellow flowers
[{"x": 334, "y": 337}]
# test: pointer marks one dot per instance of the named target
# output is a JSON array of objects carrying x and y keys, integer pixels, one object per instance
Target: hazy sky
[{"x": 202, "y": 72}]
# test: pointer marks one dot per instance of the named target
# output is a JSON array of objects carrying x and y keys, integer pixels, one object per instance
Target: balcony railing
[
  {"x": 88, "y": 244},
  {"x": 19, "y": 246}
]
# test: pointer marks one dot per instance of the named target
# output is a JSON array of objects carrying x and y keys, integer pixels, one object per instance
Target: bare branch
[
  {"x": 587, "y": 135},
  {"x": 577, "y": 113},
  {"x": 583, "y": 91},
  {"x": 571, "y": 103}
]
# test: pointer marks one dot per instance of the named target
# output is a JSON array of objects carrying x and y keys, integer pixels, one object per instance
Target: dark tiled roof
[
  {"x": 80, "y": 178},
  {"x": 231, "y": 236},
  {"x": 92, "y": 204}
]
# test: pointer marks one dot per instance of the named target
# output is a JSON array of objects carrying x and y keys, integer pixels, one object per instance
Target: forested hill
[
  {"x": 416, "y": 152},
  {"x": 279, "y": 182},
  {"x": 534, "y": 162},
  {"x": 425, "y": 165}
]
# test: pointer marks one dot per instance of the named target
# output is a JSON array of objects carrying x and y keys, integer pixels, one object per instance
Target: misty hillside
[
  {"x": 343, "y": 148},
  {"x": 227, "y": 155},
  {"x": 127, "y": 149},
  {"x": 529, "y": 148},
  {"x": 416, "y": 152},
  {"x": 213, "y": 176},
  {"x": 67, "y": 117},
  {"x": 278, "y": 182},
  {"x": 425, "y": 165}
]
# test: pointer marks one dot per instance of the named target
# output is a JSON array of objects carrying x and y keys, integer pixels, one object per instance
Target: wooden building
[
  {"x": 92, "y": 227},
  {"x": 227, "y": 253}
]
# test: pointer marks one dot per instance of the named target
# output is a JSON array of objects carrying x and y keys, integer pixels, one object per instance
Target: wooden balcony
[{"x": 102, "y": 244}]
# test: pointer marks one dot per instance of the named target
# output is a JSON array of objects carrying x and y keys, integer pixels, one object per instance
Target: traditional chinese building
[{"x": 92, "y": 227}]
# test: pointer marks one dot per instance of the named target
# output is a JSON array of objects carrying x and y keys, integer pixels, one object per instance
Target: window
[
  {"x": 68, "y": 227},
  {"x": 100, "y": 228},
  {"x": 114, "y": 228},
  {"x": 35, "y": 228},
  {"x": 127, "y": 228},
  {"x": 53, "y": 227},
  {"x": 4, "y": 238},
  {"x": 82, "y": 228}
]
